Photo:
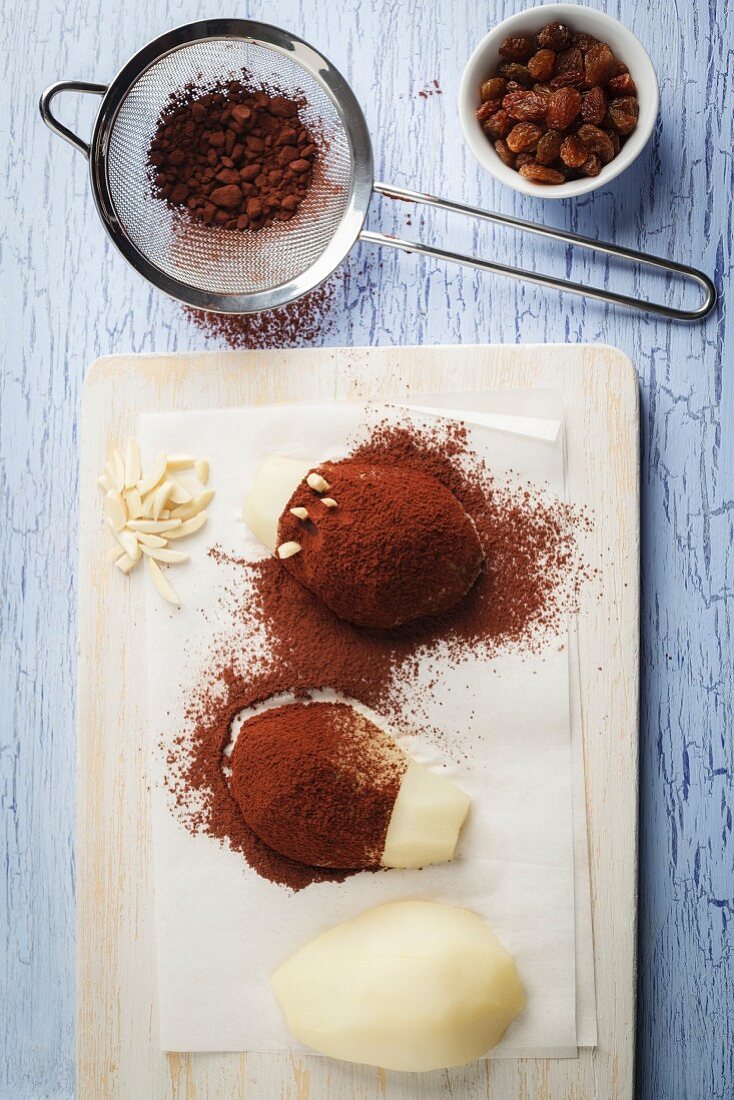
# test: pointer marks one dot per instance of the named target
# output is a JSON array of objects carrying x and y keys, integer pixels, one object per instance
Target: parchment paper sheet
[{"x": 221, "y": 930}]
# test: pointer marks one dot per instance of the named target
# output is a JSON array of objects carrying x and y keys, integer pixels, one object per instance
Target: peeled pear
[
  {"x": 426, "y": 819},
  {"x": 410, "y": 985},
  {"x": 276, "y": 480},
  {"x": 321, "y": 783}
]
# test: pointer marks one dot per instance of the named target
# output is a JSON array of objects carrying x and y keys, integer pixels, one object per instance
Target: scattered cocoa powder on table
[
  {"x": 305, "y": 321},
  {"x": 521, "y": 601}
]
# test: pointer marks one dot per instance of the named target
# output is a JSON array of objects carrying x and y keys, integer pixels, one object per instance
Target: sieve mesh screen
[{"x": 210, "y": 258}]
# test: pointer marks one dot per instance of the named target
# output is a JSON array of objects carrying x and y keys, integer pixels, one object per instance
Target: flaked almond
[
  {"x": 159, "y": 498},
  {"x": 132, "y": 463},
  {"x": 147, "y": 504},
  {"x": 133, "y": 502},
  {"x": 118, "y": 467},
  {"x": 179, "y": 495},
  {"x": 329, "y": 502},
  {"x": 180, "y": 462},
  {"x": 129, "y": 543},
  {"x": 288, "y": 550},
  {"x": 300, "y": 513},
  {"x": 154, "y": 526},
  {"x": 116, "y": 510},
  {"x": 150, "y": 540},
  {"x": 318, "y": 483},
  {"x": 145, "y": 509},
  {"x": 198, "y": 504},
  {"x": 156, "y": 473},
  {"x": 188, "y": 526},
  {"x": 163, "y": 586},
  {"x": 171, "y": 557}
]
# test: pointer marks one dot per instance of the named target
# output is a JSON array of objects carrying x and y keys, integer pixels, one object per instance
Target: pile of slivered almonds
[{"x": 144, "y": 510}]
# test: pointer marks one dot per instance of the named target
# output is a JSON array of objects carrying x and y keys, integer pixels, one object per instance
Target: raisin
[
  {"x": 517, "y": 49},
  {"x": 584, "y": 41},
  {"x": 623, "y": 114},
  {"x": 538, "y": 173},
  {"x": 519, "y": 73},
  {"x": 615, "y": 140},
  {"x": 523, "y": 137},
  {"x": 555, "y": 36},
  {"x": 563, "y": 107},
  {"x": 600, "y": 64},
  {"x": 549, "y": 147},
  {"x": 621, "y": 68},
  {"x": 505, "y": 153},
  {"x": 498, "y": 125},
  {"x": 594, "y": 106},
  {"x": 494, "y": 88},
  {"x": 489, "y": 107},
  {"x": 572, "y": 79},
  {"x": 541, "y": 65},
  {"x": 543, "y": 89},
  {"x": 622, "y": 85},
  {"x": 592, "y": 167},
  {"x": 597, "y": 141},
  {"x": 570, "y": 61},
  {"x": 525, "y": 106},
  {"x": 574, "y": 152},
  {"x": 524, "y": 158}
]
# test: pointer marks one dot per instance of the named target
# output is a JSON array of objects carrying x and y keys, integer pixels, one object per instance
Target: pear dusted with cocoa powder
[
  {"x": 380, "y": 545},
  {"x": 322, "y": 784}
]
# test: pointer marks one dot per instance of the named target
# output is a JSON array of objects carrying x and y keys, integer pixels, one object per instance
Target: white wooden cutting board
[{"x": 117, "y": 1044}]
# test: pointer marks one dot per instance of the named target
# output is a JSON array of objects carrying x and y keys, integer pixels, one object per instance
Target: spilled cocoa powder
[
  {"x": 521, "y": 601},
  {"x": 305, "y": 321}
]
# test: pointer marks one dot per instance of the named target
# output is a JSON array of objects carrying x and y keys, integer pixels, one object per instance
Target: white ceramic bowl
[{"x": 485, "y": 59}]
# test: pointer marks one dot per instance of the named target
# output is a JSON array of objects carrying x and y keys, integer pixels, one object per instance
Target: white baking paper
[
  {"x": 221, "y": 930},
  {"x": 543, "y": 418}
]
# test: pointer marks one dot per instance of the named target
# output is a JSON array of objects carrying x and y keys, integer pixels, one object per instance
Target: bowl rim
[{"x": 644, "y": 74}]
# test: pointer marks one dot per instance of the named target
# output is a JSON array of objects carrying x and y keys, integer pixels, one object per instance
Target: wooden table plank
[{"x": 117, "y": 1039}]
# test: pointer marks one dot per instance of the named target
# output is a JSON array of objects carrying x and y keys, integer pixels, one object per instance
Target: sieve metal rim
[{"x": 346, "y": 105}]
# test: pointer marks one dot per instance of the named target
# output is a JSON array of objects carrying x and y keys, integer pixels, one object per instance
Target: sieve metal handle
[
  {"x": 686, "y": 273},
  {"x": 50, "y": 119}
]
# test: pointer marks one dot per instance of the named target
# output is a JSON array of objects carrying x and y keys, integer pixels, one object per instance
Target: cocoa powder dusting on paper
[{"x": 283, "y": 640}]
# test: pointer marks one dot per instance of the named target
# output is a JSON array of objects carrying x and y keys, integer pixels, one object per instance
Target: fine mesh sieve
[{"x": 234, "y": 271}]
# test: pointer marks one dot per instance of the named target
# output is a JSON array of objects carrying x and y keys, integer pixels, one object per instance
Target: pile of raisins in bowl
[{"x": 560, "y": 106}]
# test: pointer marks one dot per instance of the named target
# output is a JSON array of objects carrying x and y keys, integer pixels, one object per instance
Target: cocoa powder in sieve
[
  {"x": 534, "y": 572},
  {"x": 234, "y": 156}
]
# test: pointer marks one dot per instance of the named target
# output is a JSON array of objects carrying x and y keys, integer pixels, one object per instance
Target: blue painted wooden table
[{"x": 67, "y": 297}]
